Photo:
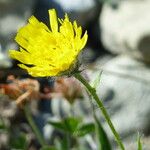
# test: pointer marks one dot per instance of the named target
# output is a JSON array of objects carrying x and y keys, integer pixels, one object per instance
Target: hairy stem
[{"x": 93, "y": 93}]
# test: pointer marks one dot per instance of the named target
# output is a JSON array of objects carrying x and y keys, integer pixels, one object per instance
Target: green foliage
[
  {"x": 139, "y": 144},
  {"x": 67, "y": 125},
  {"x": 84, "y": 129},
  {"x": 2, "y": 125},
  {"x": 102, "y": 139},
  {"x": 19, "y": 143},
  {"x": 48, "y": 148},
  {"x": 95, "y": 83},
  {"x": 62, "y": 144},
  {"x": 73, "y": 126}
]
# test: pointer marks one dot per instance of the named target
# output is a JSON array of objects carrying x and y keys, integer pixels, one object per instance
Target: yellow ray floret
[{"x": 49, "y": 52}]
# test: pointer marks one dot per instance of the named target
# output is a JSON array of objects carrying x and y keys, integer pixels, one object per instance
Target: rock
[
  {"x": 7, "y": 107},
  {"x": 125, "y": 91},
  {"x": 4, "y": 138},
  {"x": 4, "y": 60},
  {"x": 126, "y": 30}
]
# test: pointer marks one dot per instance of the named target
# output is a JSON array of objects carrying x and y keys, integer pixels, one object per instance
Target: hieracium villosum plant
[{"x": 54, "y": 52}]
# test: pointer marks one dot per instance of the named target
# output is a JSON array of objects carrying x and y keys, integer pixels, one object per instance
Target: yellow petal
[
  {"x": 66, "y": 17},
  {"x": 84, "y": 40},
  {"x": 39, "y": 71},
  {"x": 21, "y": 41},
  {"x": 21, "y": 56},
  {"x": 53, "y": 20},
  {"x": 67, "y": 28}
]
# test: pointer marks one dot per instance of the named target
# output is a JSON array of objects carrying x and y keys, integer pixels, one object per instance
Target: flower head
[{"x": 49, "y": 52}]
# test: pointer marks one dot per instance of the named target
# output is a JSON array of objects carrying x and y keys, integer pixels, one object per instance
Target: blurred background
[{"x": 118, "y": 48}]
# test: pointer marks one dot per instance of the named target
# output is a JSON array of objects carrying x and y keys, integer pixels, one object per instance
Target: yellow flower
[{"x": 44, "y": 52}]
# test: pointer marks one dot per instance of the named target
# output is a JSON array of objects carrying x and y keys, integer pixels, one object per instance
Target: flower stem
[
  {"x": 68, "y": 141},
  {"x": 33, "y": 126},
  {"x": 92, "y": 91}
]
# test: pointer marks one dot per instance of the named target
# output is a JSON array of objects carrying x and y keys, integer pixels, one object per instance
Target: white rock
[
  {"x": 4, "y": 60},
  {"x": 126, "y": 28}
]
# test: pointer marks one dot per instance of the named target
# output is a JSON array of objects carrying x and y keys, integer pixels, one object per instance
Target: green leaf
[
  {"x": 71, "y": 124},
  {"x": 85, "y": 129},
  {"x": 62, "y": 144},
  {"x": 67, "y": 125},
  {"x": 19, "y": 143},
  {"x": 139, "y": 142},
  {"x": 48, "y": 148},
  {"x": 3, "y": 127},
  {"x": 96, "y": 81},
  {"x": 57, "y": 125},
  {"x": 102, "y": 139}
]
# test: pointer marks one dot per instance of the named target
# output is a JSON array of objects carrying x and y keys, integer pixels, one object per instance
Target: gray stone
[
  {"x": 4, "y": 138},
  {"x": 8, "y": 107},
  {"x": 125, "y": 28},
  {"x": 4, "y": 60},
  {"x": 125, "y": 91}
]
